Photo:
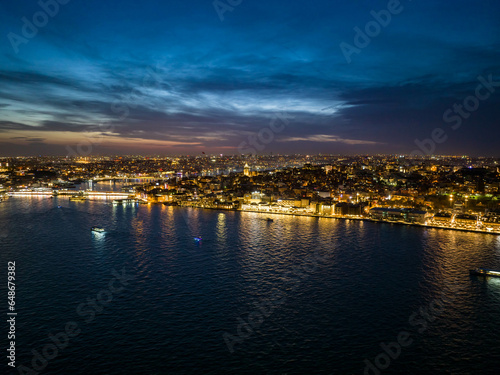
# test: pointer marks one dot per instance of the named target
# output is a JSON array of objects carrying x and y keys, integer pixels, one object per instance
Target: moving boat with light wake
[{"x": 484, "y": 272}]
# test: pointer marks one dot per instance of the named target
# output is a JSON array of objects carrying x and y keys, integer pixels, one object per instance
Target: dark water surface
[{"x": 294, "y": 296}]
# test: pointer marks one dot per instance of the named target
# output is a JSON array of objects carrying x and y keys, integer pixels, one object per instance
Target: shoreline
[{"x": 433, "y": 226}]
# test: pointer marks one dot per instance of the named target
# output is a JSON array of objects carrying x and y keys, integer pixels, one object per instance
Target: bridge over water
[{"x": 86, "y": 194}]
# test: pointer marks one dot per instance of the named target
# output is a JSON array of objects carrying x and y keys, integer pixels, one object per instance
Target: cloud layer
[{"x": 169, "y": 78}]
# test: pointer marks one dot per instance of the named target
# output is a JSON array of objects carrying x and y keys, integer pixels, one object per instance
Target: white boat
[{"x": 97, "y": 229}]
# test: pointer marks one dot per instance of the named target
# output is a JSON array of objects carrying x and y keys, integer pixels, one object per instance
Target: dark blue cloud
[{"x": 171, "y": 77}]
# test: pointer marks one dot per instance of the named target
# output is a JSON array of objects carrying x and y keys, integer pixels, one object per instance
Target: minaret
[{"x": 246, "y": 170}]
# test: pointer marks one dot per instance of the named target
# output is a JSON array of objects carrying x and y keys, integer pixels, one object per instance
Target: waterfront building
[
  {"x": 443, "y": 218},
  {"x": 466, "y": 219}
]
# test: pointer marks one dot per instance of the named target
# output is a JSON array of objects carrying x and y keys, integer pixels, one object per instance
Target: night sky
[{"x": 182, "y": 77}]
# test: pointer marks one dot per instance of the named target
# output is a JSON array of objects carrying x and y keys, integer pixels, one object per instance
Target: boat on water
[
  {"x": 117, "y": 202},
  {"x": 270, "y": 220},
  {"x": 484, "y": 272},
  {"x": 97, "y": 230},
  {"x": 198, "y": 239},
  {"x": 170, "y": 204},
  {"x": 77, "y": 198}
]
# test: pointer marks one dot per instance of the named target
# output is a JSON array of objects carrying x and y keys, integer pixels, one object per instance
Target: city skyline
[
  {"x": 388, "y": 77},
  {"x": 461, "y": 193},
  {"x": 250, "y": 187}
]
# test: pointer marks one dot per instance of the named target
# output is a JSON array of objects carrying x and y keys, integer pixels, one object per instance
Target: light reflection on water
[{"x": 186, "y": 294}]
